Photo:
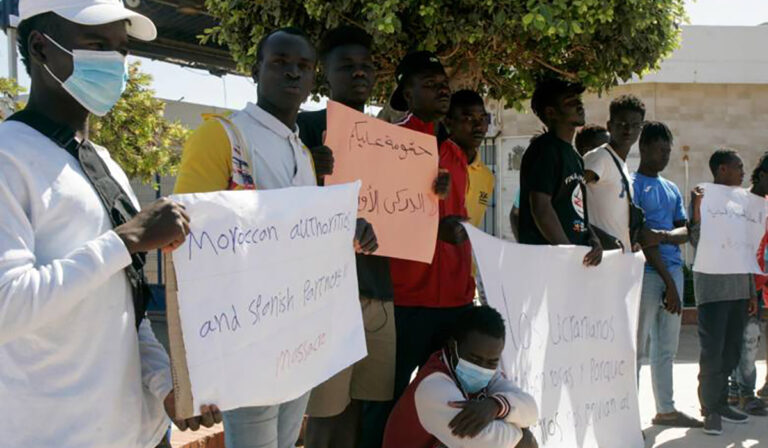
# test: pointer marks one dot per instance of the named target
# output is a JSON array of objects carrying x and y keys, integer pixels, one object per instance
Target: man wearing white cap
[{"x": 79, "y": 366}]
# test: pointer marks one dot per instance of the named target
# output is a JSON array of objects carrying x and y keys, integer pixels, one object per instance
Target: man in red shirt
[
  {"x": 460, "y": 398},
  {"x": 428, "y": 297}
]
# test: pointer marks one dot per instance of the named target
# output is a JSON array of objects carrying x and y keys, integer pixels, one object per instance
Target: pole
[
  {"x": 158, "y": 195},
  {"x": 686, "y": 195},
  {"x": 13, "y": 67}
]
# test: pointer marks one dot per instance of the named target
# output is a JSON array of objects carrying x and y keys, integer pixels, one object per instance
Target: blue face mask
[
  {"x": 98, "y": 78},
  {"x": 472, "y": 377}
]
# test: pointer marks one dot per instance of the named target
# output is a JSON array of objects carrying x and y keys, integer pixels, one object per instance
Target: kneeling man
[{"x": 460, "y": 398}]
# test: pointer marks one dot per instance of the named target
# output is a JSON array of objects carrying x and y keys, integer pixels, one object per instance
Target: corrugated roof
[{"x": 179, "y": 25}]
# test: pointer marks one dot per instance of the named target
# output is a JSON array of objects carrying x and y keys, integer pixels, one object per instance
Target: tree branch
[{"x": 553, "y": 68}]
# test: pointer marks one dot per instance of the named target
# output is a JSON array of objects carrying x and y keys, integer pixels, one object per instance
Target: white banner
[
  {"x": 732, "y": 226},
  {"x": 267, "y": 293},
  {"x": 571, "y": 334}
]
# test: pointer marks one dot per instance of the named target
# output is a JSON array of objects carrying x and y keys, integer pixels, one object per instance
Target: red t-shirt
[
  {"x": 762, "y": 280},
  {"x": 447, "y": 281}
]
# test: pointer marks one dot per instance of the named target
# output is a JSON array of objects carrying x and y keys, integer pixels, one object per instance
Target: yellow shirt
[
  {"x": 480, "y": 185},
  {"x": 206, "y": 163},
  {"x": 271, "y": 156}
]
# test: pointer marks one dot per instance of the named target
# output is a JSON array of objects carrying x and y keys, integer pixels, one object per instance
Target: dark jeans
[
  {"x": 420, "y": 332},
  {"x": 721, "y": 330},
  {"x": 373, "y": 422}
]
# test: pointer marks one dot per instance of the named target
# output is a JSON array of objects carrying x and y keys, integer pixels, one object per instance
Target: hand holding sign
[
  {"x": 209, "y": 415},
  {"x": 365, "y": 238},
  {"x": 398, "y": 168},
  {"x": 733, "y": 223},
  {"x": 162, "y": 225},
  {"x": 322, "y": 156},
  {"x": 442, "y": 185}
]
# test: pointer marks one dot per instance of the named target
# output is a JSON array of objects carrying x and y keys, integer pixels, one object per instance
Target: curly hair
[
  {"x": 762, "y": 166},
  {"x": 653, "y": 131},
  {"x": 341, "y": 36},
  {"x": 482, "y": 319},
  {"x": 721, "y": 157},
  {"x": 548, "y": 91},
  {"x": 627, "y": 103}
]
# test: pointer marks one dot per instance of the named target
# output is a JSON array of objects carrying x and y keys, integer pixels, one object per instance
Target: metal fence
[
  {"x": 488, "y": 156},
  {"x": 147, "y": 194}
]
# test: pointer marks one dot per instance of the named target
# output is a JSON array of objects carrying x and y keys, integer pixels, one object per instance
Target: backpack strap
[
  {"x": 624, "y": 179},
  {"x": 241, "y": 177}
]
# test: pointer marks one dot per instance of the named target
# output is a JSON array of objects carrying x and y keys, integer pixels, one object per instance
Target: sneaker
[
  {"x": 731, "y": 415},
  {"x": 753, "y": 406},
  {"x": 676, "y": 419},
  {"x": 712, "y": 424},
  {"x": 763, "y": 393}
]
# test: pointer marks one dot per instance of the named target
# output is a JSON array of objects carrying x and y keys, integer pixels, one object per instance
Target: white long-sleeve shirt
[
  {"x": 73, "y": 371},
  {"x": 438, "y": 389}
]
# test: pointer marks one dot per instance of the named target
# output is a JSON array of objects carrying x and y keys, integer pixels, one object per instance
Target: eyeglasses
[{"x": 631, "y": 125}]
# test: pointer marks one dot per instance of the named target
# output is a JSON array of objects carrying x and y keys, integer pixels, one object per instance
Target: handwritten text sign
[
  {"x": 397, "y": 167},
  {"x": 267, "y": 292},
  {"x": 570, "y": 337},
  {"x": 732, "y": 225}
]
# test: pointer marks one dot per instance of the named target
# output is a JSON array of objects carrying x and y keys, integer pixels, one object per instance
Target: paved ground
[{"x": 753, "y": 434}]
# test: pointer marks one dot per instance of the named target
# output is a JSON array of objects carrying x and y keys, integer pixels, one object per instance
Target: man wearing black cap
[
  {"x": 422, "y": 90},
  {"x": 429, "y": 297},
  {"x": 552, "y": 199}
]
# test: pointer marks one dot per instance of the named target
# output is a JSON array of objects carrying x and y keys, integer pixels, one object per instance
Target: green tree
[
  {"x": 9, "y": 92},
  {"x": 140, "y": 139},
  {"x": 500, "y": 46},
  {"x": 135, "y": 131}
]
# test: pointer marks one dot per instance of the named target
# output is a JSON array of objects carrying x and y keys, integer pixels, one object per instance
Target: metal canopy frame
[{"x": 180, "y": 23}]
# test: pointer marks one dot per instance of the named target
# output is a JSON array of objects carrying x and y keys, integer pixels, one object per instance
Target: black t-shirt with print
[
  {"x": 552, "y": 166},
  {"x": 373, "y": 277}
]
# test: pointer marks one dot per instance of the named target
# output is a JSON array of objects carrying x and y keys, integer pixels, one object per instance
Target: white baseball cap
[{"x": 91, "y": 12}]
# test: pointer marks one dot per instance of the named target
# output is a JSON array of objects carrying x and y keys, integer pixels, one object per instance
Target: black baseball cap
[
  {"x": 412, "y": 64},
  {"x": 549, "y": 90}
]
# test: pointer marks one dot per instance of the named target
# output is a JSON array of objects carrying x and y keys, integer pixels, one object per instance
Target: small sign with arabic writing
[
  {"x": 397, "y": 167},
  {"x": 732, "y": 227}
]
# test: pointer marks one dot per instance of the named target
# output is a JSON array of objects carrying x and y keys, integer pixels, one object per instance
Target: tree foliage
[
  {"x": 140, "y": 139},
  {"x": 500, "y": 46},
  {"x": 9, "y": 92}
]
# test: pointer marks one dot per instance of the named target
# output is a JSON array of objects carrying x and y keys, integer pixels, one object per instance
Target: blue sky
[{"x": 196, "y": 86}]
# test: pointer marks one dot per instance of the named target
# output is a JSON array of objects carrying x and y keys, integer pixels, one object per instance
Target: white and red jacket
[{"x": 420, "y": 418}]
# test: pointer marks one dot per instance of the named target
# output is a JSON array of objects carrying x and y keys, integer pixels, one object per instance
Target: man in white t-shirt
[
  {"x": 79, "y": 364},
  {"x": 607, "y": 175}
]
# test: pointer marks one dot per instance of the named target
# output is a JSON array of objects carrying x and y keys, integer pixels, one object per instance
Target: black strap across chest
[{"x": 116, "y": 201}]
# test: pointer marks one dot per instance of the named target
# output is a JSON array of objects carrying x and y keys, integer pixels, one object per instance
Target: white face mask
[{"x": 98, "y": 78}]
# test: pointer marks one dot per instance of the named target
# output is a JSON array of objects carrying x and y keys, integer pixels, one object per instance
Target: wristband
[{"x": 504, "y": 406}]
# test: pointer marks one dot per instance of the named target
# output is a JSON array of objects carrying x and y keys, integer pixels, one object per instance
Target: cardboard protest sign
[
  {"x": 571, "y": 334},
  {"x": 397, "y": 167},
  {"x": 733, "y": 222},
  {"x": 265, "y": 304}
]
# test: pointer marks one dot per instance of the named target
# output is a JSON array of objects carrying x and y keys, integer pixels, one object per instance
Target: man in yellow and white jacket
[{"x": 259, "y": 148}]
